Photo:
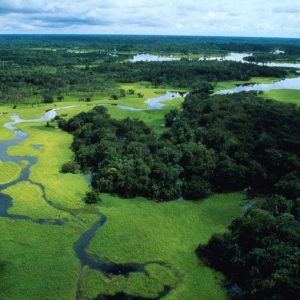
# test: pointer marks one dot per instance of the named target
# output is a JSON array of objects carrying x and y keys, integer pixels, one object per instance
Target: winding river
[
  {"x": 5, "y": 200},
  {"x": 155, "y": 103},
  {"x": 106, "y": 267}
]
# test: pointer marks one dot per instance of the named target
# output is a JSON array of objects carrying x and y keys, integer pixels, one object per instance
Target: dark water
[{"x": 96, "y": 263}]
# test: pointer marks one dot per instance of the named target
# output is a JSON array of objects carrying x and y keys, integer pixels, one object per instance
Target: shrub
[
  {"x": 196, "y": 188},
  {"x": 48, "y": 98},
  {"x": 122, "y": 93},
  {"x": 91, "y": 197},
  {"x": 114, "y": 97},
  {"x": 70, "y": 167},
  {"x": 60, "y": 98}
]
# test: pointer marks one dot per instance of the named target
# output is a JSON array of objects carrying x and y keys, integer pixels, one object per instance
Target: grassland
[
  {"x": 39, "y": 261},
  {"x": 137, "y": 230},
  {"x": 285, "y": 96},
  {"x": 64, "y": 189},
  {"x": 168, "y": 232},
  {"x": 28, "y": 200},
  {"x": 9, "y": 171}
]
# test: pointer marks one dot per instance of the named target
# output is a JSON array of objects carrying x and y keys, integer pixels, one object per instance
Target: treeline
[
  {"x": 185, "y": 73},
  {"x": 51, "y": 57},
  {"x": 290, "y": 56},
  {"x": 159, "y": 44}
]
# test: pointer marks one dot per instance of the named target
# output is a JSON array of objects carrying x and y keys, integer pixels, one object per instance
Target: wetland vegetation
[{"x": 122, "y": 180}]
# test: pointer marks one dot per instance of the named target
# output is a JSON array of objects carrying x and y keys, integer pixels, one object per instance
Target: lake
[{"x": 233, "y": 56}]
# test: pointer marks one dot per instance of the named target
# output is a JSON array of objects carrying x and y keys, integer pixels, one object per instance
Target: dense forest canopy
[
  {"x": 19, "y": 83},
  {"x": 216, "y": 143},
  {"x": 186, "y": 73}
]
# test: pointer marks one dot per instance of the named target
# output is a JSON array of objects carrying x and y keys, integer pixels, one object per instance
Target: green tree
[
  {"x": 47, "y": 98},
  {"x": 91, "y": 197}
]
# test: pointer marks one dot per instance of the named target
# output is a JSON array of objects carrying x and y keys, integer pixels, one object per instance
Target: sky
[{"x": 274, "y": 18}]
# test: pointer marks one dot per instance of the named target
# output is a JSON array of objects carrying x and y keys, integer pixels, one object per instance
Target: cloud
[{"x": 200, "y": 17}]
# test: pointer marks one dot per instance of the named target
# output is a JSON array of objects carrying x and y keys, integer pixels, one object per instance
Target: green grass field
[
  {"x": 28, "y": 201},
  {"x": 285, "y": 96},
  {"x": 9, "y": 171},
  {"x": 137, "y": 230},
  {"x": 39, "y": 261},
  {"x": 64, "y": 189},
  {"x": 5, "y": 134},
  {"x": 144, "y": 231}
]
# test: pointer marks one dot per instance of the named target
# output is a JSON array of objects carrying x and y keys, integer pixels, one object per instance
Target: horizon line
[{"x": 149, "y": 35}]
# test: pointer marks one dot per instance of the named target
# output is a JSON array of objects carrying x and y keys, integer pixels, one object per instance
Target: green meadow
[
  {"x": 5, "y": 134},
  {"x": 169, "y": 232},
  {"x": 9, "y": 171},
  {"x": 285, "y": 96}
]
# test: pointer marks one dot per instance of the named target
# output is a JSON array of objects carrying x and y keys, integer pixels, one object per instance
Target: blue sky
[{"x": 198, "y": 17}]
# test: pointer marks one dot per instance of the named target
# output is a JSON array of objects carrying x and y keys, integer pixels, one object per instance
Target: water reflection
[{"x": 286, "y": 84}]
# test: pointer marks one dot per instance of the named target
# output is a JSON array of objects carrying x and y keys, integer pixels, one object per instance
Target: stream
[
  {"x": 106, "y": 267},
  {"x": 155, "y": 103},
  {"x": 5, "y": 200}
]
